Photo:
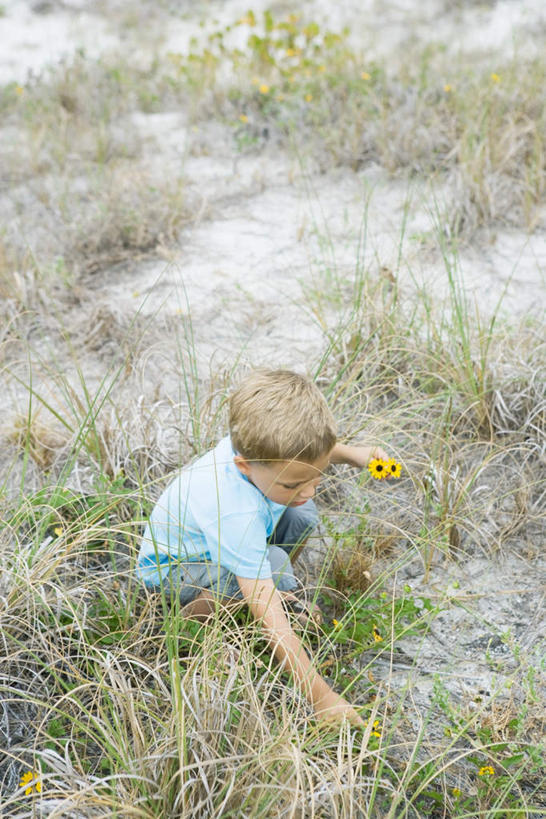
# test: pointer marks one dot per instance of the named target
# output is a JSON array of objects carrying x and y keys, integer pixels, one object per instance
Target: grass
[
  {"x": 473, "y": 128},
  {"x": 118, "y": 705},
  {"x": 121, "y": 706}
]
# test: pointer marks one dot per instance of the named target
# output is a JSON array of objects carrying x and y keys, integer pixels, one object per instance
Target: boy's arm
[
  {"x": 265, "y": 603},
  {"x": 359, "y": 456}
]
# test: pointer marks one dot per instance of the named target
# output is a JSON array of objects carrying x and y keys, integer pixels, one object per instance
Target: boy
[{"x": 226, "y": 527}]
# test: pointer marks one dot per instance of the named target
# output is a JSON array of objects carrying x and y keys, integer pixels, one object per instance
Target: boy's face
[{"x": 290, "y": 483}]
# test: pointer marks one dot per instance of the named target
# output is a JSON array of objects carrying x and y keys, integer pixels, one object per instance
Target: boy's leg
[
  {"x": 200, "y": 588},
  {"x": 294, "y": 527},
  {"x": 288, "y": 585},
  {"x": 206, "y": 584},
  {"x": 201, "y": 607}
]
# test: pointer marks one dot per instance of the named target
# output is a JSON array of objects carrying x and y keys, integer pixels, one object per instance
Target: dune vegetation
[{"x": 113, "y": 704}]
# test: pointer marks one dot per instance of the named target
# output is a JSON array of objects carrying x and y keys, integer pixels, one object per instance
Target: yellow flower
[
  {"x": 58, "y": 530},
  {"x": 448, "y": 88},
  {"x": 336, "y": 623},
  {"x": 291, "y": 52},
  {"x": 243, "y": 117},
  {"x": 456, "y": 792},
  {"x": 19, "y": 89},
  {"x": 263, "y": 89},
  {"x": 377, "y": 635},
  {"x": 322, "y": 68},
  {"x": 308, "y": 97},
  {"x": 365, "y": 76},
  {"x": 393, "y": 468},
  {"x": 377, "y": 468},
  {"x": 495, "y": 78},
  {"x": 486, "y": 770},
  {"x": 376, "y": 728},
  {"x": 30, "y": 778}
]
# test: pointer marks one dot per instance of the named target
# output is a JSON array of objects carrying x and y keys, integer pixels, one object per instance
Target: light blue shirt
[{"x": 210, "y": 511}]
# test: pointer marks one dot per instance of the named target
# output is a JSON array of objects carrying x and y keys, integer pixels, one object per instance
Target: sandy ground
[
  {"x": 264, "y": 221},
  {"x": 240, "y": 269}
]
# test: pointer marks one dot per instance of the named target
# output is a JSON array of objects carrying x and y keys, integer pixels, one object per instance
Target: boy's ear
[{"x": 242, "y": 464}]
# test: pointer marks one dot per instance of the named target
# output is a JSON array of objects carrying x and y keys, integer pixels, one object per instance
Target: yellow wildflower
[
  {"x": 30, "y": 778},
  {"x": 243, "y": 117},
  {"x": 58, "y": 530},
  {"x": 291, "y": 52},
  {"x": 322, "y": 68},
  {"x": 19, "y": 89},
  {"x": 376, "y": 729},
  {"x": 456, "y": 792},
  {"x": 336, "y": 623},
  {"x": 448, "y": 88},
  {"x": 308, "y": 97},
  {"x": 495, "y": 77},
  {"x": 263, "y": 89},
  {"x": 377, "y": 468},
  {"x": 365, "y": 76},
  {"x": 486, "y": 770},
  {"x": 377, "y": 635},
  {"x": 393, "y": 468}
]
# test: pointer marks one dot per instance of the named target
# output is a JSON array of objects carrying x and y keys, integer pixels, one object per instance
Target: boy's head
[{"x": 282, "y": 431}]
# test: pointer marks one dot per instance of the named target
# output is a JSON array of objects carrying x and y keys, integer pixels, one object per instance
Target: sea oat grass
[{"x": 75, "y": 169}]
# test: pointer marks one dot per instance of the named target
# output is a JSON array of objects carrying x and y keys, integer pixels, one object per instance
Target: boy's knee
[
  {"x": 295, "y": 525},
  {"x": 281, "y": 569}
]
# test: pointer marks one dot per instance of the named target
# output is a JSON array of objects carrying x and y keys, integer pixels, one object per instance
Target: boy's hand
[
  {"x": 359, "y": 456},
  {"x": 333, "y": 708},
  {"x": 362, "y": 455}
]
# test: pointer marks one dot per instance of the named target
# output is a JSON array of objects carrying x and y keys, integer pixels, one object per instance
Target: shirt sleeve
[{"x": 239, "y": 543}]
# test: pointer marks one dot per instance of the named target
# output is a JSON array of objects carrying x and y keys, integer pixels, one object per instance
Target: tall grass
[{"x": 121, "y": 707}]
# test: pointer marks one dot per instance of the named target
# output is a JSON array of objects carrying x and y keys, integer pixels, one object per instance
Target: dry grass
[
  {"x": 124, "y": 707},
  {"x": 472, "y": 124}
]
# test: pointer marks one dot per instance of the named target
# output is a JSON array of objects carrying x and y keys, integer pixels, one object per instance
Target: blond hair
[{"x": 280, "y": 415}]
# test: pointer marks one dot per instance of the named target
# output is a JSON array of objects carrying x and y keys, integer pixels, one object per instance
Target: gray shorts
[{"x": 189, "y": 579}]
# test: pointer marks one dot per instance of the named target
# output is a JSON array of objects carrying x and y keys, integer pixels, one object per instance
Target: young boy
[{"x": 226, "y": 527}]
